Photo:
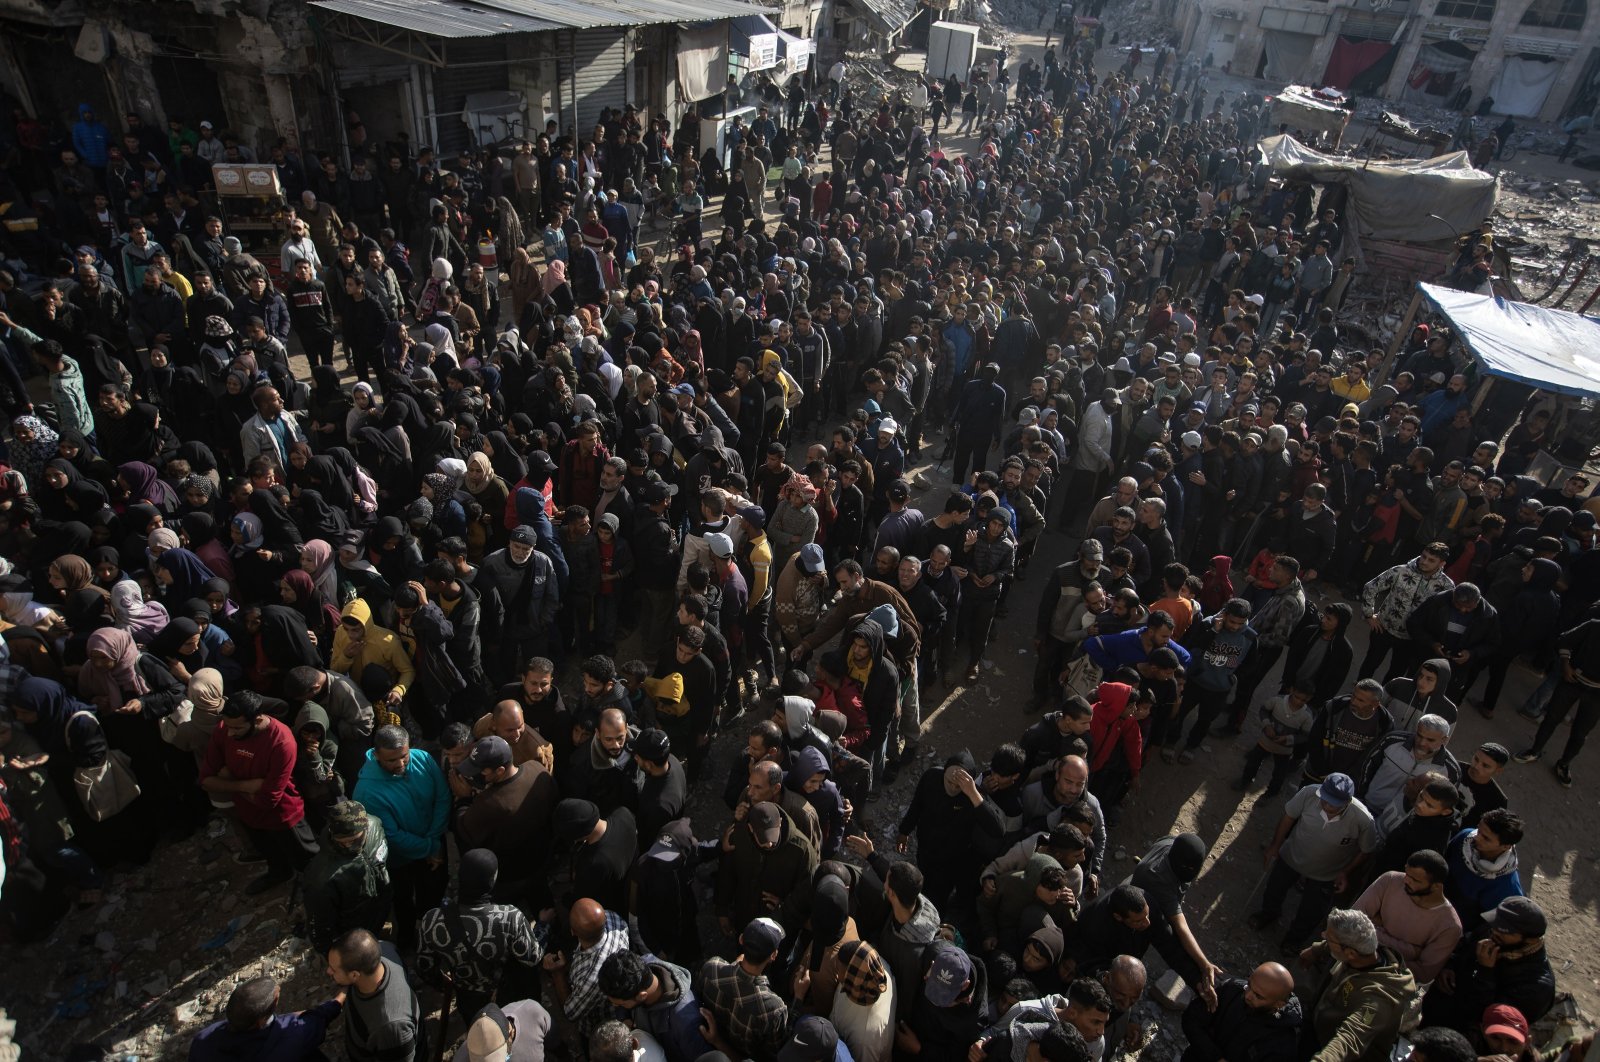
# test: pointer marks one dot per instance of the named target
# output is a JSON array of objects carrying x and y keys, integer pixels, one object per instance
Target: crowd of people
[{"x": 446, "y": 629}]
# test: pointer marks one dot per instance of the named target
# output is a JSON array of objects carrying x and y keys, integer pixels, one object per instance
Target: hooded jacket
[
  {"x": 1001, "y": 915},
  {"x": 437, "y": 676},
  {"x": 1357, "y": 1014},
  {"x": 946, "y": 1033},
  {"x": 1532, "y": 620},
  {"x": 1238, "y": 1032},
  {"x": 414, "y": 807},
  {"x": 381, "y": 648},
  {"x": 826, "y": 803},
  {"x": 881, "y": 695},
  {"x": 345, "y": 891},
  {"x": 314, "y": 774},
  {"x": 1394, "y": 750},
  {"x": 1111, "y": 726},
  {"x": 1406, "y": 706}
]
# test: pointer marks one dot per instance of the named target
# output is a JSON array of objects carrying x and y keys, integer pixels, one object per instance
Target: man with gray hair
[
  {"x": 1398, "y": 757},
  {"x": 1357, "y": 1010}
]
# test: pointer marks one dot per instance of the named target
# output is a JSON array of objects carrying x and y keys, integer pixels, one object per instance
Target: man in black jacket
[
  {"x": 979, "y": 416},
  {"x": 1258, "y": 1019},
  {"x": 1458, "y": 625},
  {"x": 1503, "y": 961},
  {"x": 949, "y": 813}
]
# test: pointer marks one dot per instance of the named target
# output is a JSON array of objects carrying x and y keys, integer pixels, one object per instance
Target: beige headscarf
[{"x": 206, "y": 694}]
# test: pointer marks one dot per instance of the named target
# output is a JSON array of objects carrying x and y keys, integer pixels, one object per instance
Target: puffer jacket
[
  {"x": 1394, "y": 594},
  {"x": 345, "y": 892},
  {"x": 537, "y": 609},
  {"x": 995, "y": 557}
]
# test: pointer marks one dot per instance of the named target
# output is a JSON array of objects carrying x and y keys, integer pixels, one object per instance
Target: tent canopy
[
  {"x": 1554, "y": 350},
  {"x": 1395, "y": 198}
]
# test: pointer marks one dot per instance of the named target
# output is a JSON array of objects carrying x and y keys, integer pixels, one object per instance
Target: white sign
[{"x": 763, "y": 51}]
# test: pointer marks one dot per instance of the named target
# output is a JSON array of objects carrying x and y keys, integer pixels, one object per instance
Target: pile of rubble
[{"x": 1545, "y": 223}]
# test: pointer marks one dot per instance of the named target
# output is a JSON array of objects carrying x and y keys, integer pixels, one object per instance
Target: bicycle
[{"x": 1516, "y": 143}]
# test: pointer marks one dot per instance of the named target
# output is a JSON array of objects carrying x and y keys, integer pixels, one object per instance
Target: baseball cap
[
  {"x": 653, "y": 745},
  {"x": 1518, "y": 914},
  {"x": 488, "y": 754},
  {"x": 761, "y": 937},
  {"x": 1110, "y": 395},
  {"x": 720, "y": 544},
  {"x": 207, "y": 125},
  {"x": 675, "y": 840},
  {"x": 899, "y": 490},
  {"x": 889, "y": 425},
  {"x": 1255, "y": 300},
  {"x": 1337, "y": 789},
  {"x": 753, "y": 514},
  {"x": 658, "y": 492},
  {"x": 684, "y": 389},
  {"x": 766, "y": 822},
  {"x": 814, "y": 1040},
  {"x": 1502, "y": 1019},
  {"x": 947, "y": 976},
  {"x": 812, "y": 559},
  {"x": 1191, "y": 439},
  {"x": 523, "y": 535},
  {"x": 489, "y": 1036}
]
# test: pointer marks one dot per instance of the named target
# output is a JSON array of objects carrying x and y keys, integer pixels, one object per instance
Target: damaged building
[{"x": 1538, "y": 59}]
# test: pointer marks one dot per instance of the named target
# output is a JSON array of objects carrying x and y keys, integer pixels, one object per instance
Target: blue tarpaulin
[{"x": 1554, "y": 350}]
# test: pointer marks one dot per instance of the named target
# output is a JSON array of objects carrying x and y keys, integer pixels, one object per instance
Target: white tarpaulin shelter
[
  {"x": 1409, "y": 200},
  {"x": 1553, "y": 350},
  {"x": 1302, "y": 108}
]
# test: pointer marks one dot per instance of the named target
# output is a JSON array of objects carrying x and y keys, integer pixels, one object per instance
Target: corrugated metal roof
[
  {"x": 451, "y": 19},
  {"x": 486, "y": 18},
  {"x": 591, "y": 14},
  {"x": 891, "y": 16}
]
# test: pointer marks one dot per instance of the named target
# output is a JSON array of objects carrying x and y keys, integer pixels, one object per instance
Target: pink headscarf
[{"x": 110, "y": 690}]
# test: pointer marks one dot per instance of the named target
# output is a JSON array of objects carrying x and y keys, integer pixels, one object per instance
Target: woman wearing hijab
[
  {"x": 64, "y": 493},
  {"x": 364, "y": 411},
  {"x": 70, "y": 573},
  {"x": 255, "y": 567},
  {"x": 358, "y": 576},
  {"x": 318, "y": 519},
  {"x": 299, "y": 591},
  {"x": 394, "y": 553},
  {"x": 33, "y": 444},
  {"x": 132, "y": 613},
  {"x": 183, "y": 574},
  {"x": 131, "y": 691},
  {"x": 323, "y": 474},
  {"x": 490, "y": 492},
  {"x": 199, "y": 532},
  {"x": 389, "y": 461},
  {"x": 282, "y": 645},
  {"x": 361, "y": 484},
  {"x": 316, "y": 560},
  {"x": 434, "y": 445},
  {"x": 67, "y": 730},
  {"x": 558, "y": 296},
  {"x": 180, "y": 647},
  {"x": 141, "y": 484},
  {"x": 107, "y": 565},
  {"x": 278, "y": 530},
  {"x": 137, "y": 523},
  {"x": 330, "y": 408},
  {"x": 206, "y": 692}
]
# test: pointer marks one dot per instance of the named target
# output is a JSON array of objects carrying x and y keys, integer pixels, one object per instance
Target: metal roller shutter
[
  {"x": 461, "y": 76},
  {"x": 602, "y": 76}
]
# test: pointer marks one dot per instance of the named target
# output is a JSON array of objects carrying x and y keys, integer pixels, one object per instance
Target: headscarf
[
  {"x": 189, "y": 573},
  {"x": 439, "y": 336},
  {"x": 110, "y": 690},
  {"x": 29, "y": 458},
  {"x": 143, "y": 619},
  {"x": 85, "y": 610},
  {"x": 318, "y": 518},
  {"x": 76, "y": 573},
  {"x": 172, "y": 636},
  {"x": 277, "y": 529},
  {"x": 249, "y": 525},
  {"x": 865, "y": 978},
  {"x": 555, "y": 275},
  {"x": 325, "y": 474},
  {"x": 321, "y": 554},
  {"x": 54, "y": 705},
  {"x": 205, "y": 689},
  {"x": 144, "y": 485}
]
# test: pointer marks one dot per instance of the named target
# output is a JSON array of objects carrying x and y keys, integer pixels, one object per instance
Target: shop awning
[
  {"x": 487, "y": 18},
  {"x": 1553, "y": 350}
]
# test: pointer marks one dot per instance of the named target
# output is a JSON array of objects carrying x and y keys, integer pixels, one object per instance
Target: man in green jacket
[
  {"x": 1357, "y": 1009},
  {"x": 347, "y": 883}
]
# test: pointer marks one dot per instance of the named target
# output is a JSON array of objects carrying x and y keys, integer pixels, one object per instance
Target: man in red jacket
[
  {"x": 1117, "y": 740},
  {"x": 248, "y": 763}
]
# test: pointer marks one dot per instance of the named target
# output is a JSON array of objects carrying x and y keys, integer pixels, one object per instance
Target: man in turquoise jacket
[{"x": 406, "y": 791}]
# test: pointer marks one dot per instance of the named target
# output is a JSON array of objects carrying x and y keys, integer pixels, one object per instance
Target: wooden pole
[{"x": 1399, "y": 338}]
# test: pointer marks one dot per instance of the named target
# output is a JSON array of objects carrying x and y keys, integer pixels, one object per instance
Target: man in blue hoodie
[
  {"x": 407, "y": 792},
  {"x": 91, "y": 139}
]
